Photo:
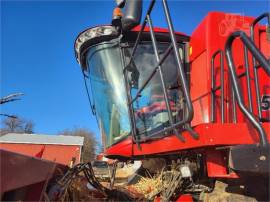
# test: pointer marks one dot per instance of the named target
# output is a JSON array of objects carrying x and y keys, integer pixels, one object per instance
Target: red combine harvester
[{"x": 199, "y": 105}]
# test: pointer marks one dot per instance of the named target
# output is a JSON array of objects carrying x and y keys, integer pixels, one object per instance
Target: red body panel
[
  {"x": 124, "y": 148},
  {"x": 156, "y": 29},
  {"x": 216, "y": 163},
  {"x": 210, "y": 36},
  {"x": 62, "y": 154},
  {"x": 185, "y": 198},
  {"x": 210, "y": 135},
  {"x": 27, "y": 175}
]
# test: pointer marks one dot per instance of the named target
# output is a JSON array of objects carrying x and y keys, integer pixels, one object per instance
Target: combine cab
[{"x": 197, "y": 106}]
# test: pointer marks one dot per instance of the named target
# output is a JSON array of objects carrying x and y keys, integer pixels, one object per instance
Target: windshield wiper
[{"x": 131, "y": 67}]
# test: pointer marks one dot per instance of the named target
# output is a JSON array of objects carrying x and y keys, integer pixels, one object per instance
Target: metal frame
[
  {"x": 214, "y": 88},
  {"x": 248, "y": 43},
  {"x": 185, "y": 122},
  {"x": 248, "y": 79},
  {"x": 256, "y": 79}
]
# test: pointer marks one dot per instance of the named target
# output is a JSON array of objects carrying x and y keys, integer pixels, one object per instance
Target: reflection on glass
[
  {"x": 106, "y": 78},
  {"x": 150, "y": 108}
]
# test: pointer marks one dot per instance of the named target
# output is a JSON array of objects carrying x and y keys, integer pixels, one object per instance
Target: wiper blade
[{"x": 131, "y": 67}]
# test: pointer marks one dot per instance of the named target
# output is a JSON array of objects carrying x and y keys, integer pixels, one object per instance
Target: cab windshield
[
  {"x": 150, "y": 111},
  {"x": 108, "y": 90},
  {"x": 105, "y": 68}
]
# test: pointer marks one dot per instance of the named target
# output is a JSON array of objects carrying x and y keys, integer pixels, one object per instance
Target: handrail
[
  {"x": 190, "y": 111},
  {"x": 213, "y": 86},
  {"x": 248, "y": 79},
  {"x": 185, "y": 122},
  {"x": 238, "y": 93},
  {"x": 256, "y": 79},
  {"x": 154, "y": 43}
]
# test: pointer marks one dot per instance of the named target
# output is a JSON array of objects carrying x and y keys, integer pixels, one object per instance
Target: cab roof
[{"x": 162, "y": 35}]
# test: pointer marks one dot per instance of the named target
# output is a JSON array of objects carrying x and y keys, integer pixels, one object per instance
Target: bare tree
[
  {"x": 28, "y": 127},
  {"x": 13, "y": 124},
  {"x": 89, "y": 145},
  {"x": 16, "y": 125}
]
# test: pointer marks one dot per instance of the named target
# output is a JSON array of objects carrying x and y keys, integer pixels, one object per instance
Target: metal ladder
[{"x": 185, "y": 122}]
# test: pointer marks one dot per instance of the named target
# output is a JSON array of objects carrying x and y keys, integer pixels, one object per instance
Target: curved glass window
[
  {"x": 105, "y": 74},
  {"x": 108, "y": 89}
]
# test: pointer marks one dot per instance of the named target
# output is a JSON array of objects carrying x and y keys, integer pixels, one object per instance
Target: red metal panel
[
  {"x": 197, "y": 40},
  {"x": 124, "y": 148},
  {"x": 200, "y": 90},
  {"x": 209, "y": 135},
  {"x": 264, "y": 79},
  {"x": 20, "y": 170},
  {"x": 182, "y": 198},
  {"x": 62, "y": 153},
  {"x": 59, "y": 153},
  {"x": 156, "y": 29},
  {"x": 216, "y": 163},
  {"x": 209, "y": 37},
  {"x": 34, "y": 191},
  {"x": 185, "y": 198}
]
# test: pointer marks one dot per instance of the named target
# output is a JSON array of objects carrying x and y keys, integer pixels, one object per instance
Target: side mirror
[{"x": 132, "y": 14}]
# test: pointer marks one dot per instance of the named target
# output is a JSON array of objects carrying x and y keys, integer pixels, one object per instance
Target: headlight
[{"x": 93, "y": 34}]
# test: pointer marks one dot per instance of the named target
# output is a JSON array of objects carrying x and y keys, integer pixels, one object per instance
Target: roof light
[{"x": 91, "y": 34}]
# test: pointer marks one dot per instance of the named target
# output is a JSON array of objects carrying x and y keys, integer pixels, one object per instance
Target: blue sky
[{"x": 37, "y": 56}]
